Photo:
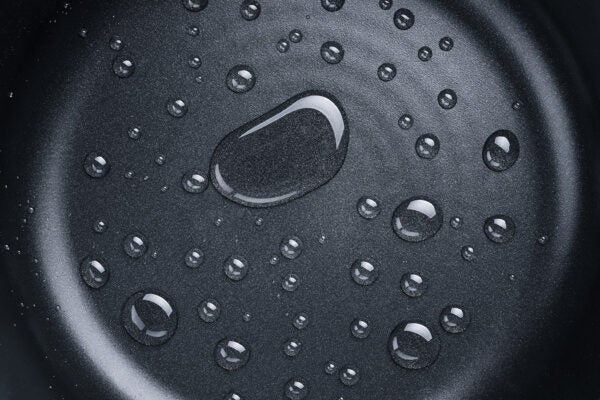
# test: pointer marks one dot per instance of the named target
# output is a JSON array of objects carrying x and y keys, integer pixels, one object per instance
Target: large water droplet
[
  {"x": 236, "y": 268},
  {"x": 332, "y": 52},
  {"x": 501, "y": 151},
  {"x": 332, "y": 5},
  {"x": 413, "y": 285},
  {"x": 386, "y": 72},
  {"x": 283, "y": 155},
  {"x": 365, "y": 272},
  {"x": 417, "y": 219},
  {"x": 499, "y": 229},
  {"x": 296, "y": 389},
  {"x": 232, "y": 354},
  {"x": 241, "y": 79},
  {"x": 96, "y": 165},
  {"x": 250, "y": 10},
  {"x": 404, "y": 19},
  {"x": 135, "y": 245},
  {"x": 150, "y": 318},
  {"x": 195, "y": 5},
  {"x": 455, "y": 319},
  {"x": 349, "y": 375},
  {"x": 413, "y": 346},
  {"x": 123, "y": 66},
  {"x": 94, "y": 272}
]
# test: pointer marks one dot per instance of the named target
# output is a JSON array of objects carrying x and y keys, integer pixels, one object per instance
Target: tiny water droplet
[
  {"x": 154, "y": 254},
  {"x": 447, "y": 99},
  {"x": 295, "y": 36},
  {"x": 455, "y": 319},
  {"x": 413, "y": 346},
  {"x": 96, "y": 165},
  {"x": 517, "y": 105},
  {"x": 219, "y": 221},
  {"x": 258, "y": 222},
  {"x": 128, "y": 175},
  {"x": 241, "y": 79},
  {"x": 194, "y": 258},
  {"x": 250, "y": 9},
  {"x": 368, "y": 207},
  {"x": 164, "y": 189},
  {"x": 232, "y": 354},
  {"x": 134, "y": 133},
  {"x": 330, "y": 367},
  {"x": 177, "y": 108},
  {"x": 365, "y": 272},
  {"x": 209, "y": 310},
  {"x": 135, "y": 245},
  {"x": 274, "y": 260},
  {"x": 322, "y": 239},
  {"x": 195, "y": 5},
  {"x": 301, "y": 321},
  {"x": 406, "y": 121},
  {"x": 413, "y": 285},
  {"x": 332, "y": 52},
  {"x": 468, "y": 253},
  {"x": 194, "y": 182},
  {"x": 386, "y": 72},
  {"x": 427, "y": 146},
  {"x": 94, "y": 272},
  {"x": 332, "y": 5},
  {"x": 349, "y": 375},
  {"x": 195, "y": 62},
  {"x": 292, "y": 347},
  {"x": 446, "y": 43},
  {"x": 425, "y": 53},
  {"x": 150, "y": 318},
  {"x": 160, "y": 159},
  {"x": 456, "y": 222},
  {"x": 246, "y": 317},
  {"x": 417, "y": 219},
  {"x": 386, "y": 4},
  {"x": 291, "y": 247},
  {"x": 283, "y": 46},
  {"x": 501, "y": 151},
  {"x": 542, "y": 240},
  {"x": 236, "y": 268},
  {"x": 123, "y": 66},
  {"x": 116, "y": 43},
  {"x": 290, "y": 283},
  {"x": 83, "y": 32},
  {"x": 296, "y": 389},
  {"x": 404, "y": 19},
  {"x": 193, "y": 30},
  {"x": 499, "y": 229},
  {"x": 360, "y": 328},
  {"x": 100, "y": 226}
]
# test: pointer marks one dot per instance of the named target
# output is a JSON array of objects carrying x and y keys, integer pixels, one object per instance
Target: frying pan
[{"x": 299, "y": 199}]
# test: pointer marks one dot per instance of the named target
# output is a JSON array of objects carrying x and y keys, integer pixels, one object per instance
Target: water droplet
[
  {"x": 94, "y": 272},
  {"x": 330, "y": 367},
  {"x": 455, "y": 319},
  {"x": 194, "y": 258},
  {"x": 360, "y": 328},
  {"x": 233, "y": 396},
  {"x": 332, "y": 52},
  {"x": 291, "y": 247},
  {"x": 292, "y": 347},
  {"x": 195, "y": 5},
  {"x": 542, "y": 240},
  {"x": 135, "y": 245},
  {"x": 301, "y": 321},
  {"x": 296, "y": 389},
  {"x": 250, "y": 10},
  {"x": 365, "y": 272},
  {"x": 236, "y": 268},
  {"x": 83, "y": 33},
  {"x": 128, "y": 175},
  {"x": 160, "y": 159},
  {"x": 219, "y": 221},
  {"x": 134, "y": 133},
  {"x": 447, "y": 99},
  {"x": 427, "y": 146},
  {"x": 290, "y": 283},
  {"x": 456, "y": 222},
  {"x": 195, "y": 62},
  {"x": 283, "y": 46},
  {"x": 232, "y": 354},
  {"x": 446, "y": 43},
  {"x": 332, "y": 5},
  {"x": 322, "y": 239},
  {"x": 193, "y": 30},
  {"x": 209, "y": 310},
  {"x": 499, "y": 229},
  {"x": 123, "y": 66},
  {"x": 425, "y": 53},
  {"x": 368, "y": 207},
  {"x": 149, "y": 318},
  {"x": 274, "y": 260},
  {"x": 386, "y": 72},
  {"x": 177, "y": 108},
  {"x": 295, "y": 36},
  {"x": 96, "y": 165},
  {"x": 194, "y": 182},
  {"x": 241, "y": 79},
  {"x": 517, "y": 105},
  {"x": 246, "y": 317},
  {"x": 154, "y": 254},
  {"x": 501, "y": 151},
  {"x": 406, "y": 121},
  {"x": 413, "y": 285},
  {"x": 468, "y": 253},
  {"x": 417, "y": 219},
  {"x": 198, "y": 79},
  {"x": 100, "y": 226},
  {"x": 258, "y": 222},
  {"x": 349, "y": 376},
  {"x": 404, "y": 19},
  {"x": 413, "y": 346},
  {"x": 386, "y": 4},
  {"x": 287, "y": 159},
  {"x": 164, "y": 189},
  {"x": 116, "y": 43}
]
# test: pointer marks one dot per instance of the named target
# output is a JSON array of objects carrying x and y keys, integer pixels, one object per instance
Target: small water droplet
[
  {"x": 332, "y": 52},
  {"x": 209, "y": 310},
  {"x": 425, "y": 53},
  {"x": 258, "y": 222},
  {"x": 292, "y": 347},
  {"x": 413, "y": 346},
  {"x": 290, "y": 283},
  {"x": 177, "y": 108},
  {"x": 160, "y": 159},
  {"x": 468, "y": 253},
  {"x": 360, "y": 328},
  {"x": 417, "y": 219},
  {"x": 94, "y": 272},
  {"x": 154, "y": 254},
  {"x": 164, "y": 189},
  {"x": 404, "y": 19},
  {"x": 406, "y": 121},
  {"x": 330, "y": 367},
  {"x": 250, "y": 10},
  {"x": 232, "y": 354},
  {"x": 501, "y": 151},
  {"x": 499, "y": 229},
  {"x": 295, "y": 36},
  {"x": 447, "y": 99},
  {"x": 283, "y": 46},
  {"x": 413, "y": 285},
  {"x": 349, "y": 375},
  {"x": 427, "y": 146},
  {"x": 128, "y": 175},
  {"x": 219, "y": 221},
  {"x": 195, "y": 62},
  {"x": 296, "y": 389},
  {"x": 291, "y": 247},
  {"x": 543, "y": 240},
  {"x": 100, "y": 226},
  {"x": 322, "y": 239},
  {"x": 198, "y": 79},
  {"x": 274, "y": 260},
  {"x": 195, "y": 5},
  {"x": 116, "y": 43},
  {"x": 246, "y": 317},
  {"x": 194, "y": 182},
  {"x": 150, "y": 318},
  {"x": 386, "y": 4},
  {"x": 233, "y": 396},
  {"x": 193, "y": 30},
  {"x": 236, "y": 268},
  {"x": 446, "y": 43},
  {"x": 368, "y": 207},
  {"x": 96, "y": 165},
  {"x": 83, "y": 32},
  {"x": 301, "y": 321},
  {"x": 517, "y": 105},
  {"x": 194, "y": 258},
  {"x": 134, "y": 133},
  {"x": 365, "y": 272},
  {"x": 456, "y": 222},
  {"x": 386, "y": 72},
  {"x": 123, "y": 66},
  {"x": 135, "y": 245},
  {"x": 332, "y": 5},
  {"x": 455, "y": 319},
  {"x": 241, "y": 79}
]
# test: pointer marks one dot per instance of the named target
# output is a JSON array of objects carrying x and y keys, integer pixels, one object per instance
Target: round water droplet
[
  {"x": 406, "y": 121},
  {"x": 425, "y": 53},
  {"x": 360, "y": 328},
  {"x": 296, "y": 389},
  {"x": 365, "y": 272},
  {"x": 413, "y": 346},
  {"x": 330, "y": 367},
  {"x": 194, "y": 182},
  {"x": 446, "y": 43},
  {"x": 195, "y": 62},
  {"x": 499, "y": 229},
  {"x": 301, "y": 321},
  {"x": 236, "y": 268},
  {"x": 368, "y": 207},
  {"x": 135, "y": 245},
  {"x": 96, "y": 165},
  {"x": 386, "y": 72},
  {"x": 349, "y": 376},
  {"x": 332, "y": 5},
  {"x": 116, "y": 43},
  {"x": 517, "y": 105},
  {"x": 447, "y": 99},
  {"x": 209, "y": 310},
  {"x": 427, "y": 146},
  {"x": 123, "y": 66},
  {"x": 292, "y": 347},
  {"x": 246, "y": 317},
  {"x": 332, "y": 52},
  {"x": 177, "y": 108},
  {"x": 233, "y": 396},
  {"x": 386, "y": 4},
  {"x": 134, "y": 133},
  {"x": 259, "y": 222},
  {"x": 455, "y": 319},
  {"x": 194, "y": 258},
  {"x": 232, "y": 354},
  {"x": 250, "y": 10},
  {"x": 417, "y": 219},
  {"x": 100, "y": 226},
  {"x": 241, "y": 79},
  {"x": 404, "y": 19},
  {"x": 295, "y": 36},
  {"x": 195, "y": 5},
  {"x": 456, "y": 222},
  {"x": 94, "y": 272},
  {"x": 542, "y": 240},
  {"x": 291, "y": 247},
  {"x": 290, "y": 283},
  {"x": 193, "y": 30},
  {"x": 149, "y": 318},
  {"x": 160, "y": 159},
  {"x": 274, "y": 260},
  {"x": 468, "y": 253},
  {"x": 501, "y": 151},
  {"x": 283, "y": 46},
  {"x": 413, "y": 285}
]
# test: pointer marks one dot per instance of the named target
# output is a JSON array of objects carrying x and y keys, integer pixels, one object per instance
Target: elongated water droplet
[
  {"x": 94, "y": 272},
  {"x": 501, "y": 151}
]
